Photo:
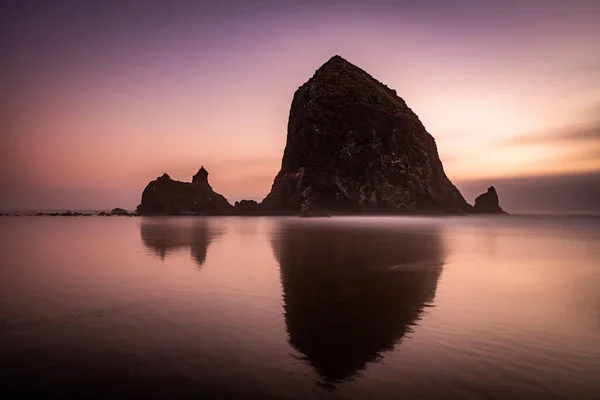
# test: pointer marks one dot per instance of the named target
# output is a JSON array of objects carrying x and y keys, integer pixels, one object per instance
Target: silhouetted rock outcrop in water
[
  {"x": 488, "y": 203},
  {"x": 354, "y": 146},
  {"x": 164, "y": 236},
  {"x": 246, "y": 207},
  {"x": 168, "y": 197},
  {"x": 352, "y": 292},
  {"x": 120, "y": 211}
]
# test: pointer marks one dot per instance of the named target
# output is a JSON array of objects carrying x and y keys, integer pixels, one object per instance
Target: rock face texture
[
  {"x": 165, "y": 196},
  {"x": 354, "y": 146},
  {"x": 488, "y": 203}
]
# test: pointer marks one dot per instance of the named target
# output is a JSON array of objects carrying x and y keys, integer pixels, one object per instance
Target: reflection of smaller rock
[{"x": 164, "y": 236}]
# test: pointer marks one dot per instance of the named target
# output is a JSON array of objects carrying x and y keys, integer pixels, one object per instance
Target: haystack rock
[
  {"x": 488, "y": 203},
  {"x": 165, "y": 196},
  {"x": 353, "y": 146}
]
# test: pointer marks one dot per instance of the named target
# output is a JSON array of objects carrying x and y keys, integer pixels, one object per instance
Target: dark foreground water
[{"x": 377, "y": 308}]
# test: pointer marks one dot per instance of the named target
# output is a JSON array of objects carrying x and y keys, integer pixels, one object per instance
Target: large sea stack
[
  {"x": 164, "y": 196},
  {"x": 354, "y": 146}
]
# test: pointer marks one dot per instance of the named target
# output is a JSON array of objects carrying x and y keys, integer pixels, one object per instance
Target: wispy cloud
[
  {"x": 449, "y": 158},
  {"x": 572, "y": 148},
  {"x": 590, "y": 68},
  {"x": 574, "y": 133},
  {"x": 586, "y": 155}
]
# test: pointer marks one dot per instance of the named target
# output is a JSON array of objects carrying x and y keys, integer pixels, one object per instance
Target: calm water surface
[{"x": 474, "y": 308}]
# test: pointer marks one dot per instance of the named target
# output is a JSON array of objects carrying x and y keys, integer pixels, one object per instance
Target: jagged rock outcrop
[
  {"x": 354, "y": 146},
  {"x": 488, "y": 203},
  {"x": 247, "y": 207},
  {"x": 120, "y": 212},
  {"x": 165, "y": 196}
]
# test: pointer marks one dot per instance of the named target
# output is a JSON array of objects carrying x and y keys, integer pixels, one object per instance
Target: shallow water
[{"x": 456, "y": 307}]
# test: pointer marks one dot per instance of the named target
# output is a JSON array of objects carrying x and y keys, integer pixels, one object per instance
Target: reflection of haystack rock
[
  {"x": 351, "y": 294},
  {"x": 166, "y": 235}
]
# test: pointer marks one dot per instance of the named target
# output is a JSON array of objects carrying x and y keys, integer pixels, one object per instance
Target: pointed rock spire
[
  {"x": 201, "y": 177},
  {"x": 488, "y": 203}
]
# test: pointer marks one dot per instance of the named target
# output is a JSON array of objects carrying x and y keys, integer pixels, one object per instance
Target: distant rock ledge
[{"x": 115, "y": 212}]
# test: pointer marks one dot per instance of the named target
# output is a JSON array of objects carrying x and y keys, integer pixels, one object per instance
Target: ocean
[{"x": 492, "y": 307}]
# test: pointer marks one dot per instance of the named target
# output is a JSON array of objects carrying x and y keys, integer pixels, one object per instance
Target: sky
[{"x": 101, "y": 97}]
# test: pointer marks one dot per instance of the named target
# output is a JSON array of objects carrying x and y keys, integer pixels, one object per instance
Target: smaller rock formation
[
  {"x": 246, "y": 207},
  {"x": 164, "y": 196},
  {"x": 488, "y": 203},
  {"x": 120, "y": 211}
]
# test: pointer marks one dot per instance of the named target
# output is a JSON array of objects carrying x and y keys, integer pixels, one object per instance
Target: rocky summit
[
  {"x": 488, "y": 203},
  {"x": 165, "y": 196},
  {"x": 354, "y": 146}
]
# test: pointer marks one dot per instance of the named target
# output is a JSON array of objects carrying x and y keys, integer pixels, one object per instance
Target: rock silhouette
[
  {"x": 352, "y": 293},
  {"x": 354, "y": 146},
  {"x": 201, "y": 177},
  {"x": 165, "y": 196},
  {"x": 488, "y": 203},
  {"x": 120, "y": 211},
  {"x": 246, "y": 207},
  {"x": 165, "y": 236}
]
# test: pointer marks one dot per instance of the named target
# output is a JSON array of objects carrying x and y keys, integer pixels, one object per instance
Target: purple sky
[{"x": 102, "y": 97}]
